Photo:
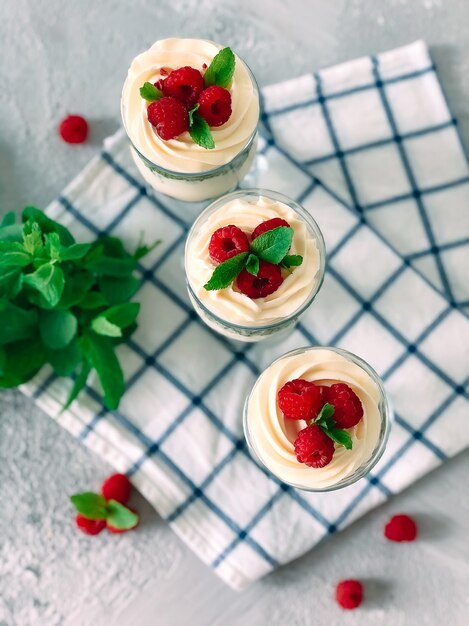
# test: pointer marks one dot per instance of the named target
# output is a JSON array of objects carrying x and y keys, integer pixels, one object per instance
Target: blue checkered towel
[{"x": 371, "y": 149}]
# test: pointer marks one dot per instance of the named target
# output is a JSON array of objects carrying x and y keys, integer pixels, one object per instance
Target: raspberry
[
  {"x": 300, "y": 400},
  {"x": 74, "y": 129},
  {"x": 263, "y": 227},
  {"x": 268, "y": 279},
  {"x": 348, "y": 409},
  {"x": 400, "y": 528},
  {"x": 215, "y": 105},
  {"x": 349, "y": 593},
  {"x": 169, "y": 117},
  {"x": 313, "y": 447},
  {"x": 89, "y": 526},
  {"x": 185, "y": 84},
  {"x": 227, "y": 242},
  {"x": 119, "y": 531},
  {"x": 116, "y": 487}
]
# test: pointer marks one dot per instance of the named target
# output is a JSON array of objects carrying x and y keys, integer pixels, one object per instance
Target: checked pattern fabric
[{"x": 371, "y": 149}]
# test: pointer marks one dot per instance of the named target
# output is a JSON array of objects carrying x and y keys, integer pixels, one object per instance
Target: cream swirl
[
  {"x": 230, "y": 304},
  {"x": 272, "y": 436},
  {"x": 182, "y": 154}
]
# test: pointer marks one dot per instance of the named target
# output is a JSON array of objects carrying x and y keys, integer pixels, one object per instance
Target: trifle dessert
[
  {"x": 254, "y": 262},
  {"x": 317, "y": 418},
  {"x": 190, "y": 109}
]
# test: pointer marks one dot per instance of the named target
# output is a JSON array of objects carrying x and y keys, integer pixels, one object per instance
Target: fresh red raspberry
[
  {"x": 268, "y": 279},
  {"x": 313, "y": 447},
  {"x": 215, "y": 105},
  {"x": 89, "y": 526},
  {"x": 227, "y": 242},
  {"x": 119, "y": 531},
  {"x": 300, "y": 400},
  {"x": 401, "y": 528},
  {"x": 116, "y": 487},
  {"x": 74, "y": 129},
  {"x": 169, "y": 117},
  {"x": 349, "y": 593},
  {"x": 263, "y": 227},
  {"x": 348, "y": 409},
  {"x": 186, "y": 84}
]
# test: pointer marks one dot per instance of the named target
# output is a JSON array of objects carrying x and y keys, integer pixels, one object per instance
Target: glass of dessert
[
  {"x": 254, "y": 262},
  {"x": 190, "y": 109},
  {"x": 317, "y": 418}
]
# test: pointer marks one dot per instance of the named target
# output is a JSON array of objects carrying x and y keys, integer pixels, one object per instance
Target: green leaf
[
  {"x": 109, "y": 266},
  {"x": 32, "y": 238},
  {"x": 200, "y": 132},
  {"x": 13, "y": 254},
  {"x": 66, "y": 360},
  {"x": 252, "y": 264},
  {"x": 291, "y": 260},
  {"x": 221, "y": 69},
  {"x": 3, "y": 360},
  {"x": 77, "y": 286},
  {"x": 142, "y": 250},
  {"x": 23, "y": 361},
  {"x": 8, "y": 219},
  {"x": 325, "y": 413},
  {"x": 226, "y": 272},
  {"x": 90, "y": 505},
  {"x": 339, "y": 436},
  {"x": 102, "y": 326},
  {"x": 99, "y": 351},
  {"x": 93, "y": 300},
  {"x": 191, "y": 113},
  {"x": 119, "y": 516},
  {"x": 11, "y": 282},
  {"x": 16, "y": 323},
  {"x": 75, "y": 251},
  {"x": 49, "y": 281},
  {"x": 273, "y": 245},
  {"x": 150, "y": 93},
  {"x": 122, "y": 315},
  {"x": 53, "y": 246},
  {"x": 13, "y": 232},
  {"x": 57, "y": 328},
  {"x": 117, "y": 290},
  {"x": 79, "y": 383},
  {"x": 47, "y": 225}
]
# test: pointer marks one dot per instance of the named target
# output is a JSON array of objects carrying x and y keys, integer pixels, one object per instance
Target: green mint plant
[{"x": 64, "y": 303}]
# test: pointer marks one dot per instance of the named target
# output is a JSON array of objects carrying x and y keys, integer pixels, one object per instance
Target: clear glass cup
[
  {"x": 385, "y": 417},
  {"x": 197, "y": 186},
  {"x": 274, "y": 327}
]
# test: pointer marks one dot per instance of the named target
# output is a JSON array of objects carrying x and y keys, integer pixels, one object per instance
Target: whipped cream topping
[
  {"x": 230, "y": 304},
  {"x": 182, "y": 154},
  {"x": 272, "y": 436}
]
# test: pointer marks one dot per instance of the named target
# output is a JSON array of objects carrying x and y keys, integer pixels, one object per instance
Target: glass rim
[
  {"x": 304, "y": 215},
  {"x": 214, "y": 170},
  {"x": 385, "y": 410}
]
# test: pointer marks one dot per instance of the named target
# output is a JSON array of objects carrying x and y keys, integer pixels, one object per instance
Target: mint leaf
[
  {"x": 32, "y": 238},
  {"x": 325, "y": 413},
  {"x": 142, "y": 249},
  {"x": 13, "y": 254},
  {"x": 221, "y": 69},
  {"x": 92, "y": 300},
  {"x": 191, "y": 113},
  {"x": 102, "y": 326},
  {"x": 103, "y": 265},
  {"x": 339, "y": 436},
  {"x": 200, "y": 132},
  {"x": 75, "y": 251},
  {"x": 149, "y": 92},
  {"x": 122, "y": 315},
  {"x": 79, "y": 383},
  {"x": 66, "y": 360},
  {"x": 90, "y": 505},
  {"x": 23, "y": 360},
  {"x": 226, "y": 272},
  {"x": 291, "y": 260},
  {"x": 273, "y": 245},
  {"x": 13, "y": 232},
  {"x": 57, "y": 328},
  {"x": 99, "y": 352},
  {"x": 119, "y": 516},
  {"x": 47, "y": 225},
  {"x": 8, "y": 219},
  {"x": 11, "y": 282},
  {"x": 252, "y": 264},
  {"x": 16, "y": 323},
  {"x": 117, "y": 290},
  {"x": 49, "y": 281},
  {"x": 77, "y": 286},
  {"x": 53, "y": 246}
]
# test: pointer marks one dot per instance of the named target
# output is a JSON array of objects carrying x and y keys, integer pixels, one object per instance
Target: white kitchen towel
[{"x": 371, "y": 150}]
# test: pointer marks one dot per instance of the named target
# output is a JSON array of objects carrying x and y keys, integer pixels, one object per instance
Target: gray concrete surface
[{"x": 59, "y": 56}]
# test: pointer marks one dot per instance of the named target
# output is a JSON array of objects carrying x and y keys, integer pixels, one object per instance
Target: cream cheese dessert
[
  {"x": 274, "y": 439},
  {"x": 179, "y": 166},
  {"x": 242, "y": 312}
]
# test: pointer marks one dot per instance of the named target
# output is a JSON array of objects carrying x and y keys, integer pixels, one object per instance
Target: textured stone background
[{"x": 59, "y": 56}]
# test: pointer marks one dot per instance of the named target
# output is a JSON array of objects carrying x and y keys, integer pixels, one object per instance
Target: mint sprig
[
  {"x": 221, "y": 69},
  {"x": 95, "y": 506},
  {"x": 199, "y": 130},
  {"x": 272, "y": 246},
  {"x": 64, "y": 303},
  {"x": 150, "y": 93},
  {"x": 327, "y": 424}
]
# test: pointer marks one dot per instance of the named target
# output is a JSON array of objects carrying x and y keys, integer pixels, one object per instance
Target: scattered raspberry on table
[
  {"x": 401, "y": 528},
  {"x": 74, "y": 129},
  {"x": 349, "y": 593}
]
